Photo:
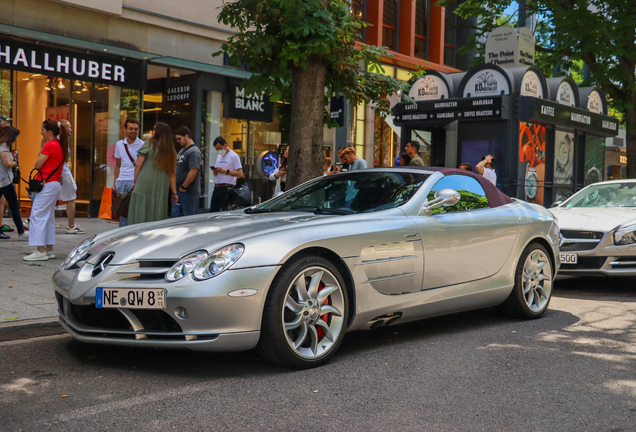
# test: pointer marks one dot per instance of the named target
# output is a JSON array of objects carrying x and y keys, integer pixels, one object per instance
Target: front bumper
[
  {"x": 602, "y": 257},
  {"x": 214, "y": 322}
]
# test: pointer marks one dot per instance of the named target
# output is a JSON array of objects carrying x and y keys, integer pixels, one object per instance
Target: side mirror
[
  {"x": 556, "y": 204},
  {"x": 443, "y": 198}
]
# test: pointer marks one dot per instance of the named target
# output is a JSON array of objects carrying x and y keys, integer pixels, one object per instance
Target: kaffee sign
[{"x": 45, "y": 60}]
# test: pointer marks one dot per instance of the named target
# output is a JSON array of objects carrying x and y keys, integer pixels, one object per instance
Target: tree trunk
[
  {"x": 630, "y": 138},
  {"x": 307, "y": 123}
]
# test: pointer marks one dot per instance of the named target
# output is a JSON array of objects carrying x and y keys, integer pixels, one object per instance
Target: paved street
[{"x": 572, "y": 370}]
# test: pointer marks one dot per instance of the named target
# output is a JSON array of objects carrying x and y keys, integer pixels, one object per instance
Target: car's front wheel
[
  {"x": 532, "y": 292},
  {"x": 305, "y": 314}
]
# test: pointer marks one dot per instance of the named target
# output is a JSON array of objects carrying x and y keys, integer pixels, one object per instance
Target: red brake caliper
[{"x": 324, "y": 317}]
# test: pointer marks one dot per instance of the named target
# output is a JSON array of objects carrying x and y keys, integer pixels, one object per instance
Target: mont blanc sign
[
  {"x": 507, "y": 47},
  {"x": 245, "y": 106}
]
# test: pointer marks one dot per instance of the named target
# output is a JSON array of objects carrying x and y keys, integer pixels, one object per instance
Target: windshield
[
  {"x": 605, "y": 195},
  {"x": 354, "y": 192}
]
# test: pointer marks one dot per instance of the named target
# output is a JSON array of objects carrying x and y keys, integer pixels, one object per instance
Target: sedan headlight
[
  {"x": 625, "y": 234},
  {"x": 185, "y": 266},
  {"x": 78, "y": 254},
  {"x": 218, "y": 261}
]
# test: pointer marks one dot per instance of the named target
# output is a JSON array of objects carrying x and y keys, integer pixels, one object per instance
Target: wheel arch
[{"x": 342, "y": 268}]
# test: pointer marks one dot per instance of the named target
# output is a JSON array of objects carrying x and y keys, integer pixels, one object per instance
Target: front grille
[
  {"x": 574, "y": 234},
  {"x": 573, "y": 247},
  {"x": 107, "y": 318},
  {"x": 585, "y": 263},
  {"x": 149, "y": 269}
]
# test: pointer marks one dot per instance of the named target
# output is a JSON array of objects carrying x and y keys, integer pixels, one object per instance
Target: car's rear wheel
[
  {"x": 305, "y": 314},
  {"x": 532, "y": 292}
]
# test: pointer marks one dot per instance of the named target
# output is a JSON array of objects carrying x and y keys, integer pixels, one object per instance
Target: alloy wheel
[{"x": 537, "y": 280}]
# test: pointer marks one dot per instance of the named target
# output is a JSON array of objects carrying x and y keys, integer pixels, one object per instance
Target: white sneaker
[
  {"x": 50, "y": 254},
  {"x": 24, "y": 236},
  {"x": 37, "y": 256},
  {"x": 75, "y": 229}
]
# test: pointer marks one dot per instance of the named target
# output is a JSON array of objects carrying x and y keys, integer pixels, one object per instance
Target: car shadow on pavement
[
  {"x": 210, "y": 365},
  {"x": 615, "y": 288}
]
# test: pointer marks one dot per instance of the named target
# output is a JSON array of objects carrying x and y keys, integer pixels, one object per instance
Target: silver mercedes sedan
[
  {"x": 598, "y": 225},
  {"x": 290, "y": 276}
]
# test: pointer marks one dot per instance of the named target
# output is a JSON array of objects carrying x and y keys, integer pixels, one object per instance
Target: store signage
[
  {"x": 430, "y": 87},
  {"x": 595, "y": 103},
  {"x": 622, "y": 159},
  {"x": 486, "y": 82},
  {"x": 244, "y": 106},
  {"x": 531, "y": 85},
  {"x": 565, "y": 94},
  {"x": 532, "y": 109},
  {"x": 507, "y": 47},
  {"x": 45, "y": 60},
  {"x": 337, "y": 110},
  {"x": 461, "y": 109},
  {"x": 178, "y": 93}
]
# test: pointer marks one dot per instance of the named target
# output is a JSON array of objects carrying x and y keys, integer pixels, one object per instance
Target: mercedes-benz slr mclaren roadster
[{"x": 290, "y": 276}]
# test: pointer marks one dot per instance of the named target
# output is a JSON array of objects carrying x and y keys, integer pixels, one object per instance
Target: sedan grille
[
  {"x": 574, "y": 247},
  {"x": 585, "y": 263},
  {"x": 580, "y": 240},
  {"x": 573, "y": 234}
]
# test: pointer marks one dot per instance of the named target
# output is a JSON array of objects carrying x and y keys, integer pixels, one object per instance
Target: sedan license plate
[
  {"x": 154, "y": 298},
  {"x": 568, "y": 258}
]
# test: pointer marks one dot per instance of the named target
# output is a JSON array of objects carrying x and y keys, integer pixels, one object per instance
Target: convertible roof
[{"x": 495, "y": 197}]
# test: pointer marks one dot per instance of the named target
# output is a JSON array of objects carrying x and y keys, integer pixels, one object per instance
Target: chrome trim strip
[
  {"x": 390, "y": 277},
  {"x": 575, "y": 240},
  {"x": 144, "y": 270},
  {"x": 619, "y": 263},
  {"x": 386, "y": 260}
]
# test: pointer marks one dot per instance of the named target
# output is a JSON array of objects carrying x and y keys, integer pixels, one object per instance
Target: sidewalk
[{"x": 27, "y": 299}]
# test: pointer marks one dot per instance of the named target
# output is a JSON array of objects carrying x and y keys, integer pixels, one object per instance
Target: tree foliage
[
  {"x": 276, "y": 36},
  {"x": 601, "y": 33}
]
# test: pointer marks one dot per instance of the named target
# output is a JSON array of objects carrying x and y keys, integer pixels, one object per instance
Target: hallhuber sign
[{"x": 45, "y": 60}]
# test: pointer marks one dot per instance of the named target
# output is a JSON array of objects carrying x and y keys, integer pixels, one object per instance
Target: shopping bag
[
  {"x": 240, "y": 196},
  {"x": 121, "y": 203},
  {"x": 107, "y": 203}
]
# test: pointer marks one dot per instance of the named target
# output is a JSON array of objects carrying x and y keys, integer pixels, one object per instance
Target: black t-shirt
[{"x": 187, "y": 159}]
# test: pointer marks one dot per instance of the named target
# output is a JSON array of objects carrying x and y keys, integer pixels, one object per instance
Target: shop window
[
  {"x": 449, "y": 34},
  {"x": 384, "y": 142},
  {"x": 359, "y": 8},
  {"x": 6, "y": 93},
  {"x": 473, "y": 196},
  {"x": 421, "y": 29},
  {"x": 390, "y": 24}
]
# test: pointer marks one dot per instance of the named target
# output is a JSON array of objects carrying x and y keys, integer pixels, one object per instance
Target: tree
[
  {"x": 297, "y": 49},
  {"x": 601, "y": 33}
]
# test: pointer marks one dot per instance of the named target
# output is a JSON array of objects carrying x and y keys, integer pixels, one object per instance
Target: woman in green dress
[{"x": 154, "y": 176}]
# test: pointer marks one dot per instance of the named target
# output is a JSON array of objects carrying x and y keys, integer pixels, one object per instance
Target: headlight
[
  {"x": 625, "y": 234},
  {"x": 78, "y": 254},
  {"x": 185, "y": 265},
  {"x": 218, "y": 262}
]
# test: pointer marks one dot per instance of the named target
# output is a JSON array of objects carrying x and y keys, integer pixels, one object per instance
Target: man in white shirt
[
  {"x": 486, "y": 168},
  {"x": 125, "y": 157},
  {"x": 227, "y": 169}
]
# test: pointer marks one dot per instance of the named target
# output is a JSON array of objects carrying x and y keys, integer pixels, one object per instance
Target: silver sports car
[
  {"x": 290, "y": 276},
  {"x": 598, "y": 225}
]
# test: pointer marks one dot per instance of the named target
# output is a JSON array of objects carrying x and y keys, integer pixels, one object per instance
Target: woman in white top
[
  {"x": 280, "y": 175},
  {"x": 7, "y": 189}
]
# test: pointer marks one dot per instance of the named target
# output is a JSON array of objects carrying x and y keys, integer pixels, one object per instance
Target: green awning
[
  {"x": 200, "y": 67},
  {"x": 74, "y": 43}
]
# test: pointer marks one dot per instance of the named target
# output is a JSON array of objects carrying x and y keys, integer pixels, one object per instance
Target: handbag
[
  {"x": 121, "y": 204},
  {"x": 16, "y": 170},
  {"x": 36, "y": 185},
  {"x": 240, "y": 196}
]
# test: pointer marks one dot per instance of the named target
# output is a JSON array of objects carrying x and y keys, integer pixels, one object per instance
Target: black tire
[
  {"x": 532, "y": 301},
  {"x": 276, "y": 344}
]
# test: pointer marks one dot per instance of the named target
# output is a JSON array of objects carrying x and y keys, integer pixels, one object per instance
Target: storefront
[
  {"x": 547, "y": 135},
  {"x": 94, "y": 92}
]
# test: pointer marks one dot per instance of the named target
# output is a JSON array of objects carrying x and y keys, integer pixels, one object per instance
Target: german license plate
[
  {"x": 154, "y": 298},
  {"x": 569, "y": 258}
]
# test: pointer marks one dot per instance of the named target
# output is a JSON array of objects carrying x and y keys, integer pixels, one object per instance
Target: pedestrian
[
  {"x": 125, "y": 159},
  {"x": 155, "y": 169},
  {"x": 4, "y": 121},
  {"x": 50, "y": 161},
  {"x": 227, "y": 169},
  {"x": 486, "y": 168},
  {"x": 69, "y": 188},
  {"x": 280, "y": 174},
  {"x": 466, "y": 166},
  {"x": 355, "y": 163},
  {"x": 188, "y": 175},
  {"x": 7, "y": 188},
  {"x": 413, "y": 150},
  {"x": 404, "y": 159},
  {"x": 326, "y": 165}
]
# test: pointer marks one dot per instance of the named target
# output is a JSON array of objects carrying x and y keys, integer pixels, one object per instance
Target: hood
[
  {"x": 173, "y": 238},
  {"x": 591, "y": 218}
]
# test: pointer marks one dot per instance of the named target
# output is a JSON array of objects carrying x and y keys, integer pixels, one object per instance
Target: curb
[{"x": 27, "y": 329}]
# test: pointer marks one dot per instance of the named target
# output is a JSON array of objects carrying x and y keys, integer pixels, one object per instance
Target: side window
[{"x": 472, "y": 194}]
